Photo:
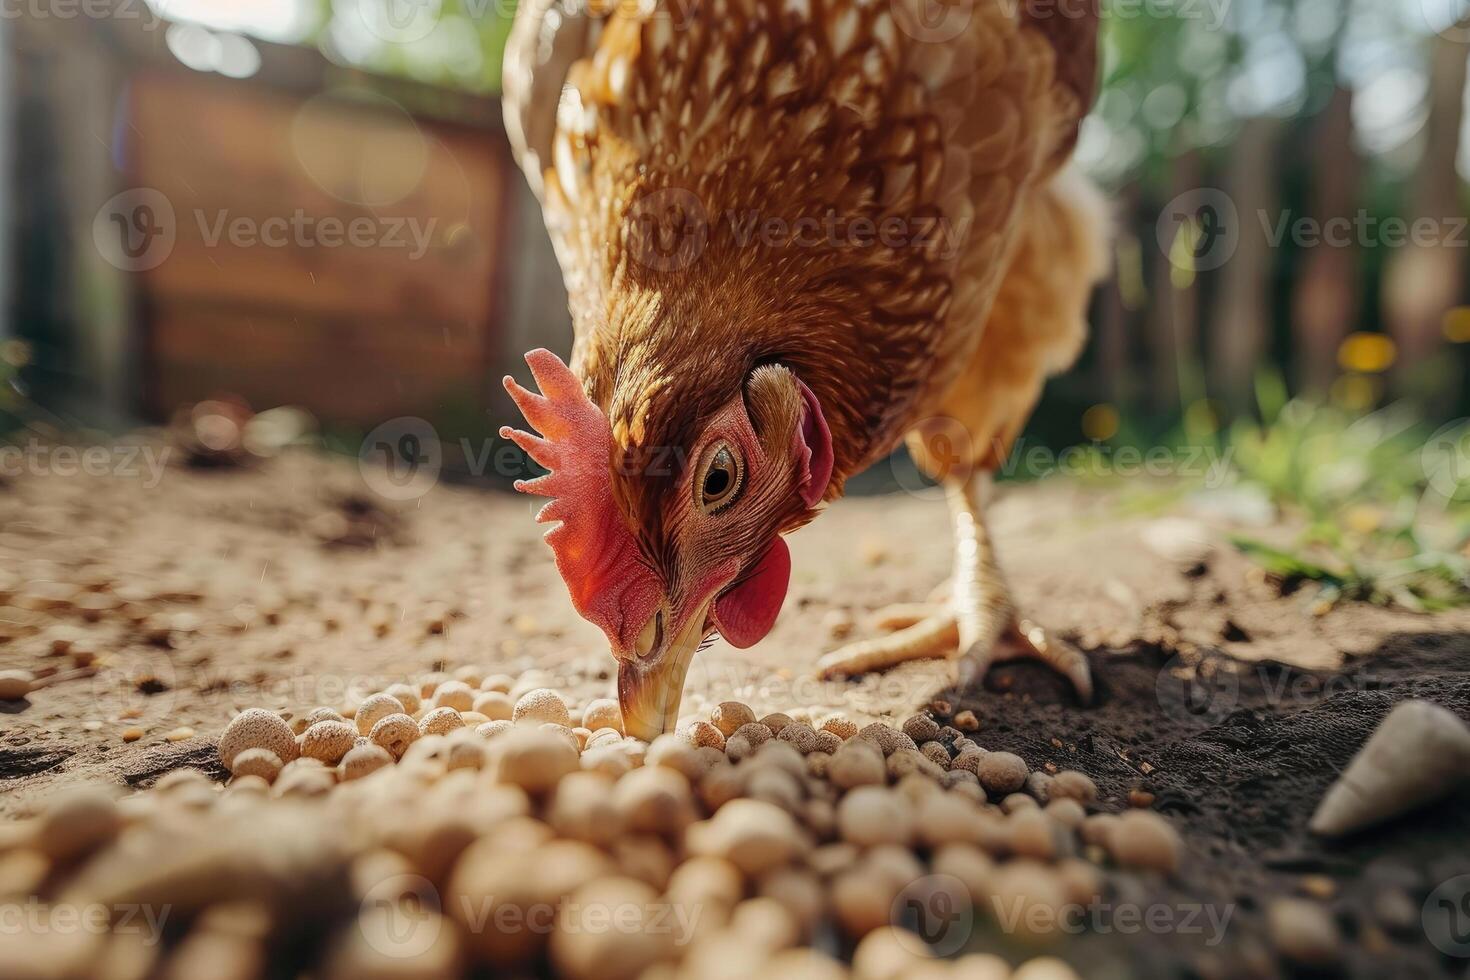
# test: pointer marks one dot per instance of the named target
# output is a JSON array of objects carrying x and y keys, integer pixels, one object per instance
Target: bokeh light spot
[
  {"x": 1367, "y": 353},
  {"x": 1100, "y": 422},
  {"x": 1456, "y": 325}
]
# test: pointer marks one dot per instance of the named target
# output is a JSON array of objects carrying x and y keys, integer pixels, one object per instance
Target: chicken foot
[{"x": 977, "y": 625}]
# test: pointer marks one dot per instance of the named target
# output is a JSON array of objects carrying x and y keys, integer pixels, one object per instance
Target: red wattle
[
  {"x": 813, "y": 448},
  {"x": 746, "y": 613}
]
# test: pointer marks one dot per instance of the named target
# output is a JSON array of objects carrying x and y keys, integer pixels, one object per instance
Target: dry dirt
[{"x": 163, "y": 610}]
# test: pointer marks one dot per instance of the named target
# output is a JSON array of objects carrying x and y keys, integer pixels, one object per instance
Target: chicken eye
[{"x": 719, "y": 485}]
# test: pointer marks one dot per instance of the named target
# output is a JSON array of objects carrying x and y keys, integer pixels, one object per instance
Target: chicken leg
[{"x": 978, "y": 624}]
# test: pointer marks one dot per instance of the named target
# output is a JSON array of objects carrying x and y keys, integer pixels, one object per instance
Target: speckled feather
[{"x": 654, "y": 134}]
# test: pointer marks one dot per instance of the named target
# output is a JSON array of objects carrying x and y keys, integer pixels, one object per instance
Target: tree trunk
[
  {"x": 8, "y": 190},
  {"x": 1173, "y": 322},
  {"x": 1327, "y": 295},
  {"x": 1238, "y": 338},
  {"x": 1120, "y": 304},
  {"x": 1425, "y": 275}
]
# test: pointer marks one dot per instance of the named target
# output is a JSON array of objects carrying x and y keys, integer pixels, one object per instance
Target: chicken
[{"x": 793, "y": 233}]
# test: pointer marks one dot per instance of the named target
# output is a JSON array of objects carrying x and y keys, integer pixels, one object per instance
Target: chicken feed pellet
[
  {"x": 374, "y": 709},
  {"x": 15, "y": 684},
  {"x": 779, "y": 830}
]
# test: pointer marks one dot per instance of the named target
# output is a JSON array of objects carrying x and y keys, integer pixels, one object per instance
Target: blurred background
[{"x": 312, "y": 203}]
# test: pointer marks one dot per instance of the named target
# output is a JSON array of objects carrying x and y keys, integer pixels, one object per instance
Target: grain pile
[{"x": 467, "y": 823}]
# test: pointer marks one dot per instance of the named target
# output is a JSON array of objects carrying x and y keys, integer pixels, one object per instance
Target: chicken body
[{"x": 869, "y": 196}]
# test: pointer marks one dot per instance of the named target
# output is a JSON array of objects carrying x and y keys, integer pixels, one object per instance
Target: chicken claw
[
  {"x": 977, "y": 624},
  {"x": 1024, "y": 639},
  {"x": 936, "y": 635}
]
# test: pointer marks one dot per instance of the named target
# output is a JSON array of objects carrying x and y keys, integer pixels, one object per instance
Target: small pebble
[
  {"x": 1304, "y": 932},
  {"x": 1143, "y": 839}
]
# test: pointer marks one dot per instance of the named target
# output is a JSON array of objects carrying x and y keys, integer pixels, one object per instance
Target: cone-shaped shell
[{"x": 1418, "y": 753}]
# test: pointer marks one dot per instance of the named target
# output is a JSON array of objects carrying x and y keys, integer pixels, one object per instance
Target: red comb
[{"x": 595, "y": 552}]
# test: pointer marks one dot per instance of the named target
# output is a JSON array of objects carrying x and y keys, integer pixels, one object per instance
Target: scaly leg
[{"x": 979, "y": 618}]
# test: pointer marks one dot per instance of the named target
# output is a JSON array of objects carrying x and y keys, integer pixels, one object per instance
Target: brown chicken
[{"x": 794, "y": 232}]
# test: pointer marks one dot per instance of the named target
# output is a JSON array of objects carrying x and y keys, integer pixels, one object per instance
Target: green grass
[{"x": 1382, "y": 498}]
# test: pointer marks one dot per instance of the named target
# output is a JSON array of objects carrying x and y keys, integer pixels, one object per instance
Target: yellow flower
[
  {"x": 1456, "y": 325},
  {"x": 1367, "y": 353},
  {"x": 1100, "y": 422},
  {"x": 1355, "y": 392},
  {"x": 1364, "y": 518}
]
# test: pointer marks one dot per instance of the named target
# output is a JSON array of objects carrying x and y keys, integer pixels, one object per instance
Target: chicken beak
[{"x": 651, "y": 682}]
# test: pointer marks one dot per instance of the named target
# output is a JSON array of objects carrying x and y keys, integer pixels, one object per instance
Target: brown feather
[{"x": 671, "y": 138}]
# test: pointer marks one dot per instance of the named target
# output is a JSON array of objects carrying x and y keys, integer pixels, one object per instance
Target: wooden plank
[
  {"x": 333, "y": 367},
  {"x": 335, "y": 204}
]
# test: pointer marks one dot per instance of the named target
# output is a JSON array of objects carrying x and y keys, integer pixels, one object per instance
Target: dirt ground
[{"x": 157, "y": 612}]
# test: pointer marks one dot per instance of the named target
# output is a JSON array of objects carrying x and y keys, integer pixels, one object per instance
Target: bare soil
[{"x": 159, "y": 611}]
